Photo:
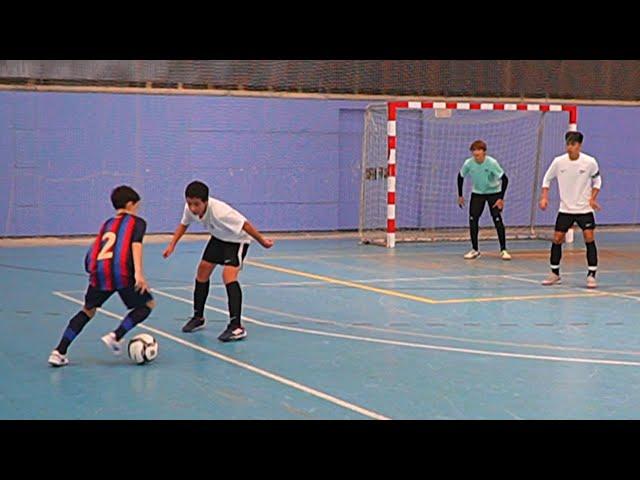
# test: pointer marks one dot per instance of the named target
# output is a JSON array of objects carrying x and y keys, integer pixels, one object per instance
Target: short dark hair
[
  {"x": 197, "y": 189},
  {"x": 478, "y": 145},
  {"x": 122, "y": 195},
  {"x": 571, "y": 137}
]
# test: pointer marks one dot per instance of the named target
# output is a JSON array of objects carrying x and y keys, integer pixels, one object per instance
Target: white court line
[
  {"x": 580, "y": 272},
  {"x": 428, "y": 335},
  {"x": 402, "y": 279},
  {"x": 523, "y": 279},
  {"x": 622, "y": 295},
  {"x": 574, "y": 287},
  {"x": 515, "y": 276},
  {"x": 259, "y": 371},
  {"x": 263, "y": 284},
  {"x": 412, "y": 345},
  {"x": 384, "y": 254}
]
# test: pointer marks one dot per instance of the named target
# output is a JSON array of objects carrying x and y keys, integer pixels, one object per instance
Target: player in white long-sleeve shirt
[{"x": 579, "y": 184}]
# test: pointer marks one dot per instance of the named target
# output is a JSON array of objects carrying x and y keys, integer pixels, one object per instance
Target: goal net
[{"x": 413, "y": 151}]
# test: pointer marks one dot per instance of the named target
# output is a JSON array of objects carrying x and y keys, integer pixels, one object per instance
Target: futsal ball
[{"x": 143, "y": 348}]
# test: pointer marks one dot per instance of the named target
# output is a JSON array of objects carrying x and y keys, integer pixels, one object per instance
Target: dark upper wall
[{"x": 567, "y": 79}]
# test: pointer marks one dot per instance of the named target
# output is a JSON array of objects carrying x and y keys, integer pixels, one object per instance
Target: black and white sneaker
[
  {"x": 232, "y": 334},
  {"x": 194, "y": 324}
]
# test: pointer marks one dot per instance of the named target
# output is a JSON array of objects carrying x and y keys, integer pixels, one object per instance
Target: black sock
[
  {"x": 200, "y": 295},
  {"x": 235, "y": 303},
  {"x": 556, "y": 255},
  {"x": 134, "y": 317},
  {"x": 473, "y": 229},
  {"x": 76, "y": 324},
  {"x": 592, "y": 258}
]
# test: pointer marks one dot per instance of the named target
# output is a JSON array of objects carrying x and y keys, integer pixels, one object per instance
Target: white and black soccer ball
[{"x": 143, "y": 348}]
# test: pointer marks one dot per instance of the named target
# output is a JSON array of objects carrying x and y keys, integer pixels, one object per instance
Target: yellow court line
[
  {"x": 417, "y": 298},
  {"x": 337, "y": 281},
  {"x": 522, "y": 297}
]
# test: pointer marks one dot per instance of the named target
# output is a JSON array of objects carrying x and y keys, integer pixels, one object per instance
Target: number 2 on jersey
[{"x": 106, "y": 252}]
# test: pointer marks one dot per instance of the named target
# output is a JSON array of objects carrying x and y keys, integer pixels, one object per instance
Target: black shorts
[
  {"x": 564, "y": 221},
  {"x": 225, "y": 253},
  {"x": 95, "y": 298}
]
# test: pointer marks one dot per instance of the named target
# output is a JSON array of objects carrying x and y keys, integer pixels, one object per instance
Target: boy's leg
[
  {"x": 230, "y": 273},
  {"x": 476, "y": 207},
  {"x": 200, "y": 294},
  {"x": 210, "y": 257},
  {"x": 201, "y": 290},
  {"x": 588, "y": 224},
  {"x": 496, "y": 215},
  {"x": 564, "y": 221},
  {"x": 93, "y": 299},
  {"x": 140, "y": 306},
  {"x": 234, "y": 294}
]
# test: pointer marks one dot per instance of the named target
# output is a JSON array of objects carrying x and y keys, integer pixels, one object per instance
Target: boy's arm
[
  {"x": 187, "y": 219},
  {"x": 546, "y": 183},
  {"x": 141, "y": 282},
  {"x": 139, "y": 230},
  {"x": 460, "y": 184},
  {"x": 596, "y": 184},
  {"x": 251, "y": 230},
  {"x": 505, "y": 182},
  {"x": 593, "y": 201},
  {"x": 461, "y": 175},
  {"x": 177, "y": 235}
]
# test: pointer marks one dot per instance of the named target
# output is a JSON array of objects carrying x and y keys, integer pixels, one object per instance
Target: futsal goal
[{"x": 412, "y": 153}]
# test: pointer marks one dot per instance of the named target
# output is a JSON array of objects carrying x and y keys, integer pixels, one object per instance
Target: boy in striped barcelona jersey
[{"x": 114, "y": 264}]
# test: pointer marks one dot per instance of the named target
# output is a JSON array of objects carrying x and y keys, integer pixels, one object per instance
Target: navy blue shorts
[{"x": 95, "y": 298}]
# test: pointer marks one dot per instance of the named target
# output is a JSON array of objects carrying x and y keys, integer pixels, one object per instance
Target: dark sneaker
[
  {"x": 194, "y": 323},
  {"x": 232, "y": 334}
]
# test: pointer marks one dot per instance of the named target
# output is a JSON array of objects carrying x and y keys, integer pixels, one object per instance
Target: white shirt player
[
  {"x": 221, "y": 221},
  {"x": 576, "y": 179}
]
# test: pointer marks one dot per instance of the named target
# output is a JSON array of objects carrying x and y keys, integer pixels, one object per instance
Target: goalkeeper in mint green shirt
[{"x": 489, "y": 185}]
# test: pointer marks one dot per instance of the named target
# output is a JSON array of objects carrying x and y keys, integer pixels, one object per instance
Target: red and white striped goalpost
[{"x": 392, "y": 108}]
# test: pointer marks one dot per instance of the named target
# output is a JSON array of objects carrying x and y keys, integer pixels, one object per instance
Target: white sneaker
[
  {"x": 112, "y": 344},
  {"x": 552, "y": 279},
  {"x": 471, "y": 254},
  {"x": 505, "y": 255},
  {"x": 591, "y": 282},
  {"x": 56, "y": 359}
]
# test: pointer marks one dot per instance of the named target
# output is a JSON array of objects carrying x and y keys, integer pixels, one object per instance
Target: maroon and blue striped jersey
[{"x": 109, "y": 260}]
